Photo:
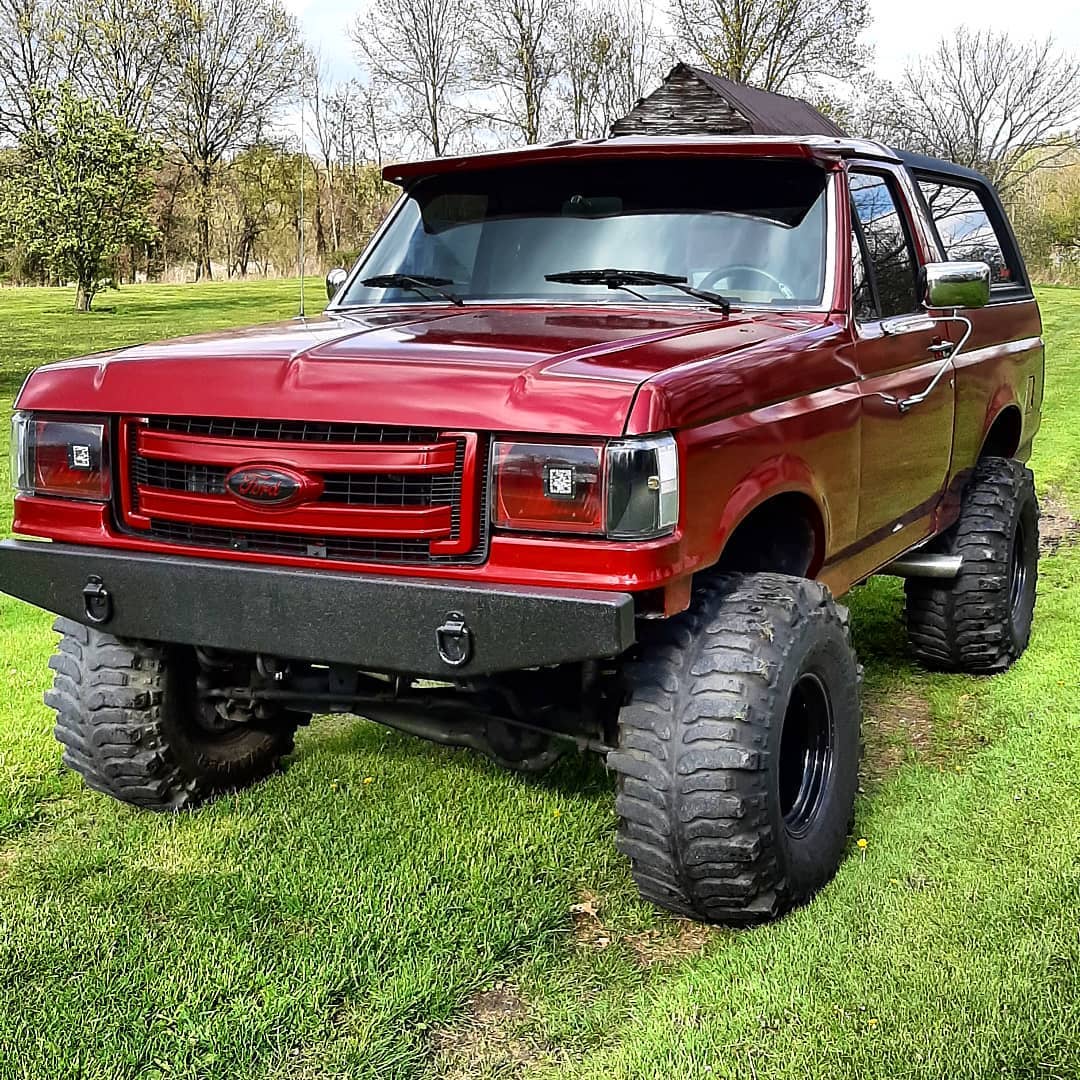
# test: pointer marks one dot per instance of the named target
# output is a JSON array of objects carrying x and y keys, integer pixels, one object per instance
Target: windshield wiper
[
  {"x": 621, "y": 279},
  {"x": 419, "y": 283}
]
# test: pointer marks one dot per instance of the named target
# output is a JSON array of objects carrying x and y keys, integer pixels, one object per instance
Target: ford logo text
[{"x": 267, "y": 486}]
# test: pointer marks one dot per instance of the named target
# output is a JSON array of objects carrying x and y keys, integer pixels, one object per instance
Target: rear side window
[
  {"x": 888, "y": 252},
  {"x": 965, "y": 229}
]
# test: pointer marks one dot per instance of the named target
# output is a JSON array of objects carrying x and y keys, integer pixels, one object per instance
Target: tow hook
[
  {"x": 97, "y": 601},
  {"x": 454, "y": 640}
]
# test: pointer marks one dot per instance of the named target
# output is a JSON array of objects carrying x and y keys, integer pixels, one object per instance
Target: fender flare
[
  {"x": 1003, "y": 399},
  {"x": 784, "y": 474}
]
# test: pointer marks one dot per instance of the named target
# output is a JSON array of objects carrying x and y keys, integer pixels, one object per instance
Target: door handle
[{"x": 947, "y": 351}]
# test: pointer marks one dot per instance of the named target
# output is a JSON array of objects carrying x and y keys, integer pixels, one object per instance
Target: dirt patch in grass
[
  {"x": 1057, "y": 525},
  {"x": 490, "y": 1038},
  {"x": 676, "y": 940},
  {"x": 8, "y": 859},
  {"x": 900, "y": 727},
  {"x": 895, "y": 729},
  {"x": 684, "y": 940}
]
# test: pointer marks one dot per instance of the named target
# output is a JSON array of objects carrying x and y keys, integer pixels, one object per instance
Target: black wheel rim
[
  {"x": 1018, "y": 570},
  {"x": 806, "y": 753}
]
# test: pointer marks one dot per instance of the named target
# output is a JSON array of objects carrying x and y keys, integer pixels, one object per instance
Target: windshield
[{"x": 752, "y": 230}]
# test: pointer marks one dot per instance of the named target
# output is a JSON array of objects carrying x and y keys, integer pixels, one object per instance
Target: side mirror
[
  {"x": 956, "y": 285},
  {"x": 336, "y": 278}
]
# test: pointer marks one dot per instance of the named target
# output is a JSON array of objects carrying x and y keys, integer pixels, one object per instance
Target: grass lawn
[{"x": 390, "y": 909}]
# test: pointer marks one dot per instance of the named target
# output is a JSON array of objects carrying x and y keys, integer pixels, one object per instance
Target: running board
[{"x": 924, "y": 565}]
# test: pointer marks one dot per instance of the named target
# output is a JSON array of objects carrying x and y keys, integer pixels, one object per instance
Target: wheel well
[
  {"x": 1003, "y": 438},
  {"x": 785, "y": 534}
]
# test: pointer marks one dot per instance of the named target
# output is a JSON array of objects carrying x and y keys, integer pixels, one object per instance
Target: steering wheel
[{"x": 742, "y": 268}]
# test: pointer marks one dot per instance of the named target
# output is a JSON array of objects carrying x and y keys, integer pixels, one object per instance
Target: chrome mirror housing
[
  {"x": 956, "y": 285},
  {"x": 334, "y": 280}
]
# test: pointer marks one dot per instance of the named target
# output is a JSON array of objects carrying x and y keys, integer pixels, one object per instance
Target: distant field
[{"x": 388, "y": 909}]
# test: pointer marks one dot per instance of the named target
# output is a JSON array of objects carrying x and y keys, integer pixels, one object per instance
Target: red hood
[{"x": 571, "y": 370}]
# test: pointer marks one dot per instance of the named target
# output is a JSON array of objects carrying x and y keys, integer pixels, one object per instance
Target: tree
[
  {"x": 80, "y": 190},
  {"x": 37, "y": 53},
  {"x": 127, "y": 47},
  {"x": 516, "y": 57},
  {"x": 418, "y": 49},
  {"x": 235, "y": 63},
  {"x": 611, "y": 56},
  {"x": 986, "y": 101},
  {"x": 773, "y": 44}
]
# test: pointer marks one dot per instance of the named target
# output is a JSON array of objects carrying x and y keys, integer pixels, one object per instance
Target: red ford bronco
[{"x": 581, "y": 451}]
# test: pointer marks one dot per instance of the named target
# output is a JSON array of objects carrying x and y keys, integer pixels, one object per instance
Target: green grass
[{"x": 338, "y": 920}]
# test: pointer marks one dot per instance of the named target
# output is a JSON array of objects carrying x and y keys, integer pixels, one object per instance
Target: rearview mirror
[
  {"x": 334, "y": 280},
  {"x": 956, "y": 285}
]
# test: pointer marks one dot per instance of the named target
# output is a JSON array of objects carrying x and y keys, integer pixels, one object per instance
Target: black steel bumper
[{"x": 393, "y": 624}]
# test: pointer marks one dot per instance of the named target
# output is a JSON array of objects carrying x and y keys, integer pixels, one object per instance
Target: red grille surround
[{"x": 376, "y": 494}]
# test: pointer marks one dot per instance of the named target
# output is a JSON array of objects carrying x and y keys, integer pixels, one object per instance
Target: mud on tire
[
  {"x": 980, "y": 622},
  {"x": 125, "y": 714},
  {"x": 739, "y": 750}
]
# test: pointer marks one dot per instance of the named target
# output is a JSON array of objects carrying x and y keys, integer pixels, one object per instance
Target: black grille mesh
[
  {"x": 281, "y": 543},
  {"x": 342, "y": 489},
  {"x": 290, "y": 430}
]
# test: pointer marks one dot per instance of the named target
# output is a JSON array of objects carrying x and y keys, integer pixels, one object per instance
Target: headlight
[
  {"x": 67, "y": 458},
  {"x": 627, "y": 489}
]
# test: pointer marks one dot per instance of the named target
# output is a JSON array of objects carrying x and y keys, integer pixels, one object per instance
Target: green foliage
[
  {"x": 78, "y": 190},
  {"x": 334, "y": 921},
  {"x": 1046, "y": 216}
]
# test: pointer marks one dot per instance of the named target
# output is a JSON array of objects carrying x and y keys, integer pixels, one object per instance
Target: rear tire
[
  {"x": 127, "y": 716},
  {"x": 739, "y": 749},
  {"x": 980, "y": 622}
]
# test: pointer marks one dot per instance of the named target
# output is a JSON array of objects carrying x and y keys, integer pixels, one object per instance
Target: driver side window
[{"x": 881, "y": 251}]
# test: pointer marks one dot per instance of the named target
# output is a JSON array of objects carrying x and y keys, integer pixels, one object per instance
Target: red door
[{"x": 905, "y": 452}]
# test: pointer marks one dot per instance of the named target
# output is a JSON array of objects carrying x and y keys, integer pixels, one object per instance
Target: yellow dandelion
[
  {"x": 557, "y": 812},
  {"x": 863, "y": 842},
  {"x": 368, "y": 779},
  {"x": 872, "y": 1022}
]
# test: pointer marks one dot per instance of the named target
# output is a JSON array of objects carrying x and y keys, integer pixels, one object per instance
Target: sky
[{"x": 901, "y": 28}]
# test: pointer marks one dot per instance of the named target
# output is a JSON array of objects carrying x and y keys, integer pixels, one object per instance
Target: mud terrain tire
[
  {"x": 739, "y": 748},
  {"x": 125, "y": 716},
  {"x": 980, "y": 622}
]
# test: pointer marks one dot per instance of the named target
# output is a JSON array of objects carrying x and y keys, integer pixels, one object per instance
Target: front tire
[
  {"x": 129, "y": 720},
  {"x": 739, "y": 746},
  {"x": 980, "y": 622}
]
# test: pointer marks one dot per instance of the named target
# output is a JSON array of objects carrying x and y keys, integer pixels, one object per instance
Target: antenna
[{"x": 300, "y": 231}]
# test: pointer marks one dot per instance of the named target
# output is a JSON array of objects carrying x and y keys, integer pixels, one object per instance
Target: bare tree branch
[
  {"x": 997, "y": 105},
  {"x": 418, "y": 48},
  {"x": 612, "y": 56},
  {"x": 773, "y": 44}
]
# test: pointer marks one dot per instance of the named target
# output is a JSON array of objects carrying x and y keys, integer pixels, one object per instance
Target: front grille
[{"x": 187, "y": 501}]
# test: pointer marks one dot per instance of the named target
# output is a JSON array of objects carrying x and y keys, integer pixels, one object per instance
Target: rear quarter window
[{"x": 966, "y": 230}]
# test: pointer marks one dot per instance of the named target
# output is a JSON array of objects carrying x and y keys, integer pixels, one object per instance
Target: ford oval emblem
[{"x": 266, "y": 485}]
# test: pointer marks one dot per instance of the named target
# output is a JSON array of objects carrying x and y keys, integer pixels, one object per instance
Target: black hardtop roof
[{"x": 923, "y": 163}]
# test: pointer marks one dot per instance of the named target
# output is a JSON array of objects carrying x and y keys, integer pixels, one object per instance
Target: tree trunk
[
  {"x": 83, "y": 296},
  {"x": 205, "y": 177},
  {"x": 320, "y": 230}
]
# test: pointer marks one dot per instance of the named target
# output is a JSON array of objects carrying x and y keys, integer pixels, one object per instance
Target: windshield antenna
[{"x": 300, "y": 246}]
